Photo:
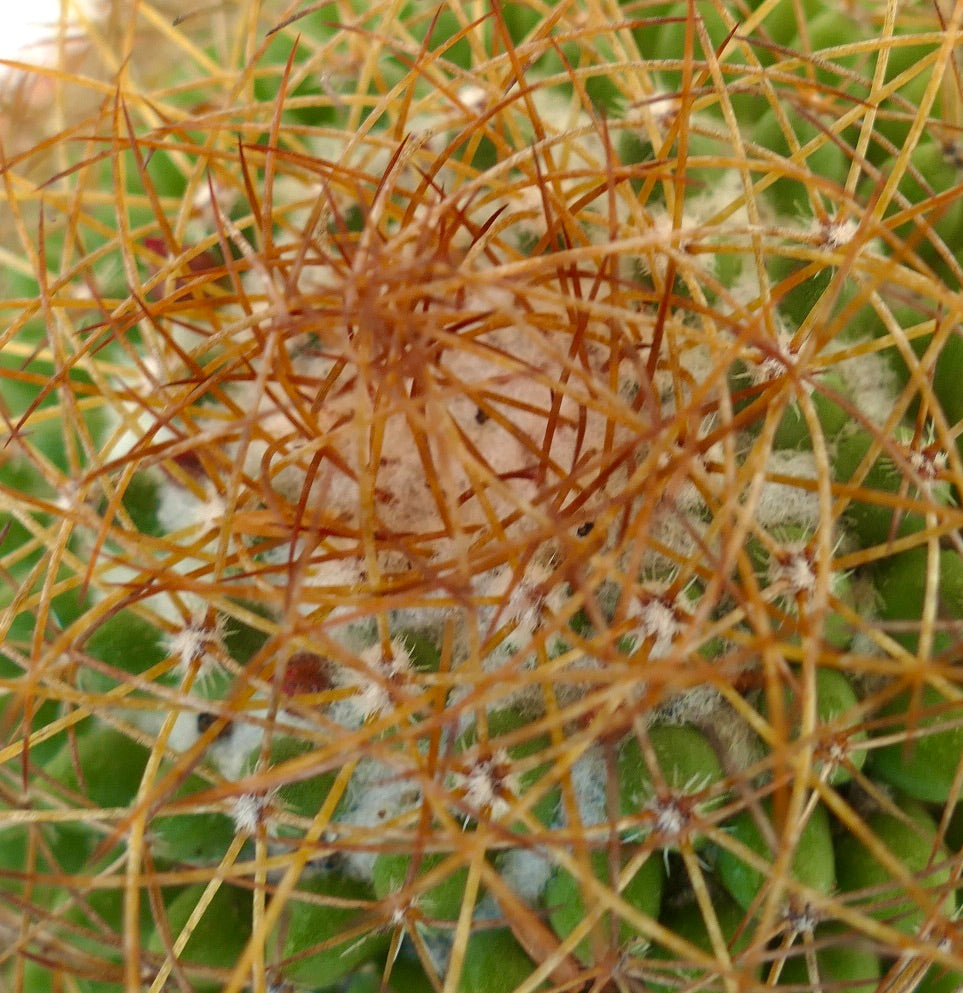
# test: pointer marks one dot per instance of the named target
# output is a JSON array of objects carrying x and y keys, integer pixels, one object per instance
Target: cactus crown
[{"x": 480, "y": 495}]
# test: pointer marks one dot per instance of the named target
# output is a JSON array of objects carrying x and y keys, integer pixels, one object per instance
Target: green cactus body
[
  {"x": 494, "y": 963},
  {"x": 567, "y": 907},
  {"x": 911, "y": 840},
  {"x": 921, "y": 767},
  {"x": 442, "y": 901},
  {"x": 901, "y": 582},
  {"x": 687, "y": 763},
  {"x": 813, "y": 864},
  {"x": 793, "y": 432},
  {"x": 858, "y": 968},
  {"x": 219, "y": 937},
  {"x": 688, "y": 923},
  {"x": 834, "y": 697},
  {"x": 316, "y": 949}
]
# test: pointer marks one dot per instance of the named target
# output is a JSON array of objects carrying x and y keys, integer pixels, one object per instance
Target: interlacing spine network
[{"x": 480, "y": 496}]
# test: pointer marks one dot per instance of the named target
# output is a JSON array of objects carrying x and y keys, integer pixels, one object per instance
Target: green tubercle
[
  {"x": 813, "y": 863},
  {"x": 319, "y": 943},
  {"x": 494, "y": 963},
  {"x": 566, "y": 905},
  {"x": 687, "y": 764},
  {"x": 924, "y": 766},
  {"x": 218, "y": 939},
  {"x": 911, "y": 840},
  {"x": 440, "y": 901}
]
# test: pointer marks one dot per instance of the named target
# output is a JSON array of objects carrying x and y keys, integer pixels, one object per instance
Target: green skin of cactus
[
  {"x": 100, "y": 913},
  {"x": 911, "y": 839},
  {"x": 901, "y": 585},
  {"x": 856, "y": 969},
  {"x": 936, "y": 164},
  {"x": 834, "y": 696},
  {"x": 793, "y": 431},
  {"x": 308, "y": 925},
  {"x": 442, "y": 901},
  {"x": 923, "y": 767},
  {"x": 813, "y": 863},
  {"x": 303, "y": 797},
  {"x": 193, "y": 838},
  {"x": 127, "y": 642},
  {"x": 494, "y": 963},
  {"x": 406, "y": 974},
  {"x": 789, "y": 194},
  {"x": 218, "y": 940},
  {"x": 111, "y": 767},
  {"x": 940, "y": 980},
  {"x": 688, "y": 923},
  {"x": 686, "y": 759},
  {"x": 872, "y": 521},
  {"x": 566, "y": 906}
]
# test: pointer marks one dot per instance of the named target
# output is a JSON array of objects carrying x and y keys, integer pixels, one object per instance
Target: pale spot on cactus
[
  {"x": 69, "y": 497},
  {"x": 699, "y": 462},
  {"x": 668, "y": 240},
  {"x": 527, "y": 872},
  {"x": 673, "y": 812},
  {"x": 835, "y": 233},
  {"x": 660, "y": 618},
  {"x": 801, "y": 920},
  {"x": 929, "y": 460},
  {"x": 672, "y": 815},
  {"x": 490, "y": 785},
  {"x": 525, "y": 601},
  {"x": 664, "y": 106},
  {"x": 474, "y": 97},
  {"x": 792, "y": 570},
  {"x": 180, "y": 508},
  {"x": 383, "y": 678},
  {"x": 378, "y": 796},
  {"x": 782, "y": 503},
  {"x": 588, "y": 782},
  {"x": 772, "y": 362},
  {"x": 210, "y": 201},
  {"x": 872, "y": 384},
  {"x": 249, "y": 811},
  {"x": 199, "y": 643}
]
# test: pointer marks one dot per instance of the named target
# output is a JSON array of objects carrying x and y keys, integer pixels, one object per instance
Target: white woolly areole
[
  {"x": 248, "y": 810},
  {"x": 489, "y": 782},
  {"x": 773, "y": 360},
  {"x": 784, "y": 503},
  {"x": 383, "y": 678},
  {"x": 871, "y": 384},
  {"x": 658, "y": 616},
  {"x": 199, "y": 643},
  {"x": 526, "y": 872},
  {"x": 180, "y": 508},
  {"x": 524, "y": 601},
  {"x": 837, "y": 234},
  {"x": 792, "y": 569},
  {"x": 589, "y": 777}
]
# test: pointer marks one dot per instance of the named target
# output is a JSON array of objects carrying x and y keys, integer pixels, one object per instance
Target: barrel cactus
[{"x": 480, "y": 499}]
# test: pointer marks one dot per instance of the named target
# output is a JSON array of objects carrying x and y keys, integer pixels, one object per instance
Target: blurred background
[{"x": 27, "y": 28}]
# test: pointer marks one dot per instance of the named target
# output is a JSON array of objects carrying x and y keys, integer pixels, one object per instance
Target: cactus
[{"x": 480, "y": 500}]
